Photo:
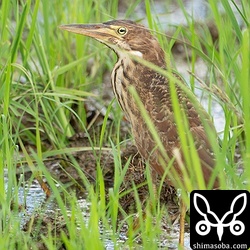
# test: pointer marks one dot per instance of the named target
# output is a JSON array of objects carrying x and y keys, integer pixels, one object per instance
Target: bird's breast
[{"x": 122, "y": 76}]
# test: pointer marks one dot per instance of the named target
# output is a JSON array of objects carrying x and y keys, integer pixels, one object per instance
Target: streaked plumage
[{"x": 127, "y": 38}]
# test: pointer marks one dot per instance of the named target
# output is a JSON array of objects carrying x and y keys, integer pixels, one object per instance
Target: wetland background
[{"x": 60, "y": 127}]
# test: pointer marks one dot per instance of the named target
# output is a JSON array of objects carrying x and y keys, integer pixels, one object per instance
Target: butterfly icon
[{"x": 203, "y": 227}]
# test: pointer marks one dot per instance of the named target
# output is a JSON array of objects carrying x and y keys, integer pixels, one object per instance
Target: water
[
  {"x": 169, "y": 237},
  {"x": 33, "y": 197}
]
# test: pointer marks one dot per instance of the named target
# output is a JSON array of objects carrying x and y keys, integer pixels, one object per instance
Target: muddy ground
[{"x": 65, "y": 172}]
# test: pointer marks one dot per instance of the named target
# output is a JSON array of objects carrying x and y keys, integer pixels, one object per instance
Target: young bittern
[{"x": 131, "y": 41}]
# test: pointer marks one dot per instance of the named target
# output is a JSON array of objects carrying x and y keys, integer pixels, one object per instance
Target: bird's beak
[{"x": 100, "y": 32}]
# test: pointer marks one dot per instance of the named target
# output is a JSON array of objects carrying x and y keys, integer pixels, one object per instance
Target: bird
[{"x": 135, "y": 44}]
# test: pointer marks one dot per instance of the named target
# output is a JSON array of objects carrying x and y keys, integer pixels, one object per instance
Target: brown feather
[{"x": 127, "y": 38}]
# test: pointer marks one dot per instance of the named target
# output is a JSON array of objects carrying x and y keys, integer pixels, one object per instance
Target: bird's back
[
  {"x": 129, "y": 40},
  {"x": 154, "y": 92}
]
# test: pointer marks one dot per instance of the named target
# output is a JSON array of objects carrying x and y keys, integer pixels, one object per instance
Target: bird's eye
[{"x": 122, "y": 31}]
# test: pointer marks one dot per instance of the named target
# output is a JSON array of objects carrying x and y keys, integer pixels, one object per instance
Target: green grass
[{"x": 44, "y": 81}]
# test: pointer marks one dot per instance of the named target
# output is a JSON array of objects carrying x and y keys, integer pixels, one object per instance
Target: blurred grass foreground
[{"x": 55, "y": 86}]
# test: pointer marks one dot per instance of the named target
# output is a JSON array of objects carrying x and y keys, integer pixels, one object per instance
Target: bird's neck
[{"x": 129, "y": 72}]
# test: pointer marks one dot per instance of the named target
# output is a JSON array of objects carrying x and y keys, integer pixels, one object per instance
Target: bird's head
[{"x": 123, "y": 35}]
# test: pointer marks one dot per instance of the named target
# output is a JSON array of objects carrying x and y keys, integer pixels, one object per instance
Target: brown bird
[{"x": 134, "y": 44}]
